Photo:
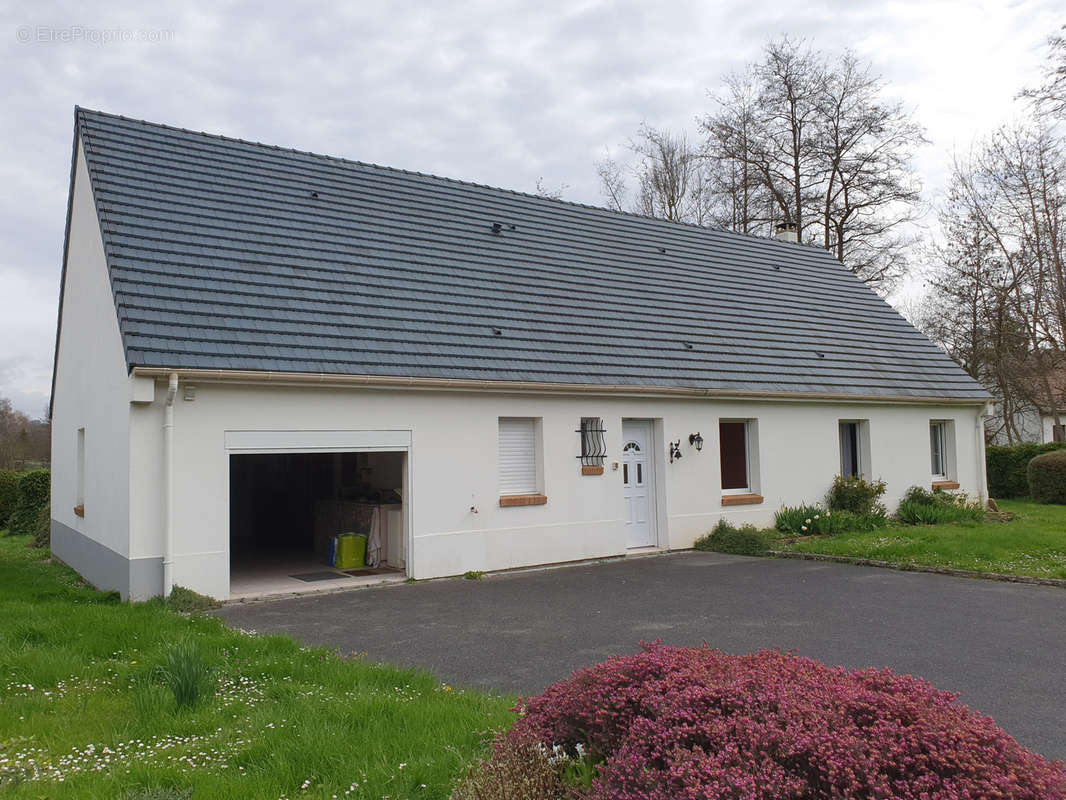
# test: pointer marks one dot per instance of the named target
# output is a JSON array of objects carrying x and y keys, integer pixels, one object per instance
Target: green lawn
[
  {"x": 1033, "y": 544},
  {"x": 84, "y": 715}
]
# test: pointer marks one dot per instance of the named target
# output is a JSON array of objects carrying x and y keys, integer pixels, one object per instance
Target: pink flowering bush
[{"x": 698, "y": 723}]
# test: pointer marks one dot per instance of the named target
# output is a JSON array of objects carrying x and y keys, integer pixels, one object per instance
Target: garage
[{"x": 310, "y": 521}]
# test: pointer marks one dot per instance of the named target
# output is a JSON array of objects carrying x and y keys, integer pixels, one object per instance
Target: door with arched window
[{"x": 638, "y": 473}]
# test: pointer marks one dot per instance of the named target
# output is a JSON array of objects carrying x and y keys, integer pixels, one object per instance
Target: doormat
[
  {"x": 359, "y": 573},
  {"x": 318, "y": 576}
]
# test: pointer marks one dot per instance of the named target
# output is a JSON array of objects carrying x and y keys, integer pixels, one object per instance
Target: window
[
  {"x": 518, "y": 455},
  {"x": 937, "y": 450},
  {"x": 593, "y": 446},
  {"x": 1058, "y": 433},
  {"x": 733, "y": 448},
  {"x": 850, "y": 450}
]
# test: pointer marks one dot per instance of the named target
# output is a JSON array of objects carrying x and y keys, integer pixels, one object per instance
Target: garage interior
[{"x": 286, "y": 509}]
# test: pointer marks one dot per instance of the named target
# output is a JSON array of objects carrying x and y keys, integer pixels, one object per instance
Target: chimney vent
[{"x": 786, "y": 232}]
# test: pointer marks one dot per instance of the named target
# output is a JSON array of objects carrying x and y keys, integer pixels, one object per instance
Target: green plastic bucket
[{"x": 351, "y": 551}]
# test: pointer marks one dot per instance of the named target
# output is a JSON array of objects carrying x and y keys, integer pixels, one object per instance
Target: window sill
[
  {"x": 741, "y": 499},
  {"x": 945, "y": 485},
  {"x": 510, "y": 500},
  {"x": 592, "y": 470},
  {"x": 79, "y": 510}
]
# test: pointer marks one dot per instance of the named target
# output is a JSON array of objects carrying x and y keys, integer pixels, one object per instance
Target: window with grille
[{"x": 593, "y": 444}]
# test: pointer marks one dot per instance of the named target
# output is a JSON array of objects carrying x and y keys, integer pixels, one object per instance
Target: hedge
[
  {"x": 1007, "y": 475},
  {"x": 1047, "y": 477},
  {"x": 9, "y": 492},
  {"x": 34, "y": 491}
]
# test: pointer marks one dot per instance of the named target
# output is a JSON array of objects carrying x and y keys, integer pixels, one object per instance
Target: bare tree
[
  {"x": 667, "y": 174},
  {"x": 23, "y": 441},
  {"x": 1050, "y": 97},
  {"x": 550, "y": 194},
  {"x": 1000, "y": 291},
  {"x": 818, "y": 146}
]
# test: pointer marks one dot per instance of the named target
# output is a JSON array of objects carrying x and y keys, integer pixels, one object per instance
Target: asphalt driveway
[{"x": 1001, "y": 645}]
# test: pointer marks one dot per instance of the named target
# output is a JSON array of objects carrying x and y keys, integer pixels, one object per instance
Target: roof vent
[
  {"x": 686, "y": 345},
  {"x": 662, "y": 250},
  {"x": 314, "y": 194},
  {"x": 497, "y": 332},
  {"x": 786, "y": 232},
  {"x": 820, "y": 355},
  {"x": 496, "y": 228}
]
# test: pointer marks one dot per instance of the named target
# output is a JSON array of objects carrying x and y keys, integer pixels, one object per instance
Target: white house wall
[
  {"x": 91, "y": 392},
  {"x": 456, "y": 523}
]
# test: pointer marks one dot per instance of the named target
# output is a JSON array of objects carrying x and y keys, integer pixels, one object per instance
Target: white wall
[
  {"x": 92, "y": 388},
  {"x": 453, "y": 467}
]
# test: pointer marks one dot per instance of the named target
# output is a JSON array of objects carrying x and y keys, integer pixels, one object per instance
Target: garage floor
[{"x": 272, "y": 577}]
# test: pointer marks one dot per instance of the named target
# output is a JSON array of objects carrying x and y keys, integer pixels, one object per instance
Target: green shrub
[
  {"x": 187, "y": 673},
  {"x": 855, "y": 494},
  {"x": 9, "y": 492},
  {"x": 747, "y": 540},
  {"x": 1007, "y": 475},
  {"x": 815, "y": 521},
  {"x": 1047, "y": 477},
  {"x": 34, "y": 489},
  {"x": 922, "y": 507},
  {"x": 42, "y": 528},
  {"x": 792, "y": 519},
  {"x": 186, "y": 601}
]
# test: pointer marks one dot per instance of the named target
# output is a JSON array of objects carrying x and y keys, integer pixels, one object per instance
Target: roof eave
[{"x": 460, "y": 384}]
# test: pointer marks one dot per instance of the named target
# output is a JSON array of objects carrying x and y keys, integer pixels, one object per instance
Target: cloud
[{"x": 494, "y": 91}]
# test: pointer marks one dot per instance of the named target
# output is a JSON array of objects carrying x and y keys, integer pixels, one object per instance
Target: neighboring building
[
  {"x": 259, "y": 348},
  {"x": 1034, "y": 420}
]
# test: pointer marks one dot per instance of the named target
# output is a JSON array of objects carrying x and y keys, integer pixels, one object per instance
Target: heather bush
[
  {"x": 698, "y": 723},
  {"x": 856, "y": 494},
  {"x": 725, "y": 537},
  {"x": 34, "y": 491},
  {"x": 1007, "y": 467},
  {"x": 9, "y": 492},
  {"x": 922, "y": 507},
  {"x": 1047, "y": 477}
]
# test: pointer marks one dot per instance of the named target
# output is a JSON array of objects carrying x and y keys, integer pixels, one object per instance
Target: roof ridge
[{"x": 80, "y": 110}]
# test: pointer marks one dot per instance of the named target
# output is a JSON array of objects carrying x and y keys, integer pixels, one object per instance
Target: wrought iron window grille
[{"x": 593, "y": 444}]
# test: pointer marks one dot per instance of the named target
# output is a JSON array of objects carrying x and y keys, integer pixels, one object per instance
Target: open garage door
[{"x": 303, "y": 521}]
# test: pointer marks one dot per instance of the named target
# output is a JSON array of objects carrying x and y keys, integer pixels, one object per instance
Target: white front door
[{"x": 638, "y": 482}]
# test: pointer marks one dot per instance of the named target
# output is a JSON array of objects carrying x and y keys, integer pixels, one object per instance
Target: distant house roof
[{"x": 231, "y": 255}]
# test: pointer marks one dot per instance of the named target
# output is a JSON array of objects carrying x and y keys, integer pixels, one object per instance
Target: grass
[
  {"x": 88, "y": 708},
  {"x": 1033, "y": 544}
]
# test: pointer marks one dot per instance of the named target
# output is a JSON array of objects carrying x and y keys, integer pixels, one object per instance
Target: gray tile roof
[{"x": 227, "y": 254}]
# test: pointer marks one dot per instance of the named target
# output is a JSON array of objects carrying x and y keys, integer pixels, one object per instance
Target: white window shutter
[{"x": 518, "y": 456}]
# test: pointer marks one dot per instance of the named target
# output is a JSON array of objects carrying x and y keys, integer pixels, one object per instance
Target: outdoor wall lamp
[
  {"x": 675, "y": 451},
  {"x": 696, "y": 439}
]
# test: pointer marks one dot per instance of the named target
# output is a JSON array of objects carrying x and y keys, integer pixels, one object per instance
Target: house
[
  {"x": 260, "y": 348},
  {"x": 1037, "y": 413}
]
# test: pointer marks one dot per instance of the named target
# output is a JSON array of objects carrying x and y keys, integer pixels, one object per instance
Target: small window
[
  {"x": 1058, "y": 433},
  {"x": 593, "y": 445},
  {"x": 938, "y": 449},
  {"x": 518, "y": 455},
  {"x": 850, "y": 450},
  {"x": 79, "y": 475},
  {"x": 733, "y": 449}
]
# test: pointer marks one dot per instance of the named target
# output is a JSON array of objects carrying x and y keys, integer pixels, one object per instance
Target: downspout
[
  {"x": 168, "y": 485},
  {"x": 982, "y": 466}
]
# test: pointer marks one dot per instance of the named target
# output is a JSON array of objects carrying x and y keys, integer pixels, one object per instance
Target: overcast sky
[{"x": 497, "y": 92}]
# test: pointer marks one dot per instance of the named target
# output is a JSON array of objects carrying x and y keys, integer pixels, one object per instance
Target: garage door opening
[{"x": 310, "y": 521}]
